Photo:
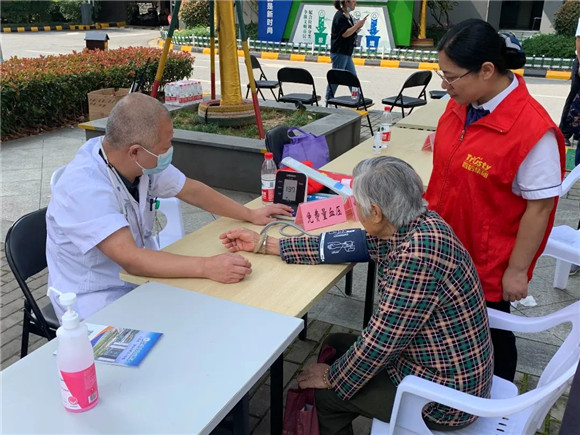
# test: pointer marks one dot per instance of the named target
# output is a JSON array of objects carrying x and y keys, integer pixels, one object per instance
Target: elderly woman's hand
[
  {"x": 240, "y": 239},
  {"x": 313, "y": 377}
]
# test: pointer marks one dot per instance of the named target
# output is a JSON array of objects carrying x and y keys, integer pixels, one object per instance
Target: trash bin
[
  {"x": 97, "y": 40},
  {"x": 86, "y": 13}
]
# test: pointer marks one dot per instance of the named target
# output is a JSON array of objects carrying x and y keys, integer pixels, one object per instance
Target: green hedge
[
  {"x": 549, "y": 45},
  {"x": 23, "y": 12},
  {"x": 566, "y": 19},
  {"x": 195, "y": 13},
  {"x": 48, "y": 92}
]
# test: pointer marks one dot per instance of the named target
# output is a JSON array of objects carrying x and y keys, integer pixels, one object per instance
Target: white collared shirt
[
  {"x": 539, "y": 175},
  {"x": 84, "y": 210}
]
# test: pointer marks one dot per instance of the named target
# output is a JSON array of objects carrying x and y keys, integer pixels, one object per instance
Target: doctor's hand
[
  {"x": 240, "y": 239},
  {"x": 515, "y": 284},
  {"x": 227, "y": 268},
  {"x": 262, "y": 216}
]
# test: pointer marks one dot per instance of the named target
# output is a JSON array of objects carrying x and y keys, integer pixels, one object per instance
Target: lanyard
[{"x": 110, "y": 172}]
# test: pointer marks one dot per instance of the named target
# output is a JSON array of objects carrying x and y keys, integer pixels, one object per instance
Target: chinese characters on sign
[
  {"x": 270, "y": 17},
  {"x": 324, "y": 213}
]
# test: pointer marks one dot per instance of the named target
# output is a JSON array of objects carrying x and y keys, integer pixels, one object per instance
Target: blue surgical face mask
[{"x": 163, "y": 161}]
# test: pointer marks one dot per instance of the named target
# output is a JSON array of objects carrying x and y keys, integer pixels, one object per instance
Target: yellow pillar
[
  {"x": 423, "y": 21},
  {"x": 231, "y": 93}
]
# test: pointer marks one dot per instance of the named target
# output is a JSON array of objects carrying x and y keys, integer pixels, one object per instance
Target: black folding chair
[
  {"x": 26, "y": 256},
  {"x": 437, "y": 95},
  {"x": 262, "y": 82},
  {"x": 342, "y": 77},
  {"x": 300, "y": 76},
  {"x": 418, "y": 79},
  {"x": 276, "y": 138}
]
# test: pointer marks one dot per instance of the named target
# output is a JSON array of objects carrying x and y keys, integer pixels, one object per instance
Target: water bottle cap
[
  {"x": 388, "y": 109},
  {"x": 269, "y": 156}
]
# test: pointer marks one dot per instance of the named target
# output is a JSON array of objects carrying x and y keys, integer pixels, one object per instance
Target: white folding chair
[
  {"x": 564, "y": 241},
  {"x": 505, "y": 412},
  {"x": 56, "y": 175},
  {"x": 173, "y": 230}
]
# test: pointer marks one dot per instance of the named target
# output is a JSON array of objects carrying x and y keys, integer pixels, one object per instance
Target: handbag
[
  {"x": 573, "y": 118},
  {"x": 300, "y": 416},
  {"x": 306, "y": 146}
]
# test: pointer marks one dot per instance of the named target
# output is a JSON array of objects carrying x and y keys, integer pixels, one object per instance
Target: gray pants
[{"x": 374, "y": 400}]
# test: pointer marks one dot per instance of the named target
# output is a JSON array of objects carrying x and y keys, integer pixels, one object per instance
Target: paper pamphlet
[{"x": 120, "y": 346}]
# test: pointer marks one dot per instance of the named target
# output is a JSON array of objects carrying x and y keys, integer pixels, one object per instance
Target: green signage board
[{"x": 400, "y": 14}]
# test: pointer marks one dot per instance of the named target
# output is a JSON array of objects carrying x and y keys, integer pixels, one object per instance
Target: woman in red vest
[{"x": 498, "y": 162}]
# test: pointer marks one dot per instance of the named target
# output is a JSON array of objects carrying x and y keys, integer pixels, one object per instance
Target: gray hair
[
  {"x": 391, "y": 184},
  {"x": 135, "y": 120}
]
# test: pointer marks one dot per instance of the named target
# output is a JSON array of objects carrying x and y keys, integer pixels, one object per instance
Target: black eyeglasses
[{"x": 450, "y": 83}]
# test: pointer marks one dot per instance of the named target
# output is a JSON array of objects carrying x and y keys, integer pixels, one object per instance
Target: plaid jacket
[{"x": 431, "y": 320}]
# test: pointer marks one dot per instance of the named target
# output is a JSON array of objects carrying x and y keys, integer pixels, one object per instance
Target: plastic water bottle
[
  {"x": 268, "y": 175},
  {"x": 386, "y": 122},
  {"x": 75, "y": 359},
  {"x": 354, "y": 94}
]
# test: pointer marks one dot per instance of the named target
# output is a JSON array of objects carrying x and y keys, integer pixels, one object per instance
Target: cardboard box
[{"x": 102, "y": 101}]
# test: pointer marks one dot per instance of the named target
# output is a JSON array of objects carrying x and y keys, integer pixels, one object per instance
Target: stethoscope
[{"x": 111, "y": 171}]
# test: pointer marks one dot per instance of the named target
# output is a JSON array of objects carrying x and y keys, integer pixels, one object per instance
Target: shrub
[
  {"x": 25, "y": 12},
  {"x": 197, "y": 31},
  {"x": 48, "y": 92},
  {"x": 252, "y": 31},
  {"x": 566, "y": 19},
  {"x": 549, "y": 46},
  {"x": 195, "y": 13},
  {"x": 70, "y": 9}
]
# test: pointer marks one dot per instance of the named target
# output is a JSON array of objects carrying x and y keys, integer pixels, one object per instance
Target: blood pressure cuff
[{"x": 344, "y": 246}]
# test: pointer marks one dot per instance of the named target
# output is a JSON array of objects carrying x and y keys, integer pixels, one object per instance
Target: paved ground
[{"x": 27, "y": 164}]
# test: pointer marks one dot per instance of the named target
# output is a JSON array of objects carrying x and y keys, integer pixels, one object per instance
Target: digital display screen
[{"x": 289, "y": 192}]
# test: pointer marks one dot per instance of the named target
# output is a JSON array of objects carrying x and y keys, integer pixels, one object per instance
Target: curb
[
  {"x": 13, "y": 29},
  {"x": 529, "y": 72}
]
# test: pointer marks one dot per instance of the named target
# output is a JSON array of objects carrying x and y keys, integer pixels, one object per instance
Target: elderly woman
[{"x": 431, "y": 320}]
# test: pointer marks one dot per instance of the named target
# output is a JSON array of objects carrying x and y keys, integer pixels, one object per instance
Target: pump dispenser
[{"x": 75, "y": 359}]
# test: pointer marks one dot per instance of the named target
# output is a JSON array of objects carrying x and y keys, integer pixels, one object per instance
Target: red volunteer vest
[{"x": 473, "y": 171}]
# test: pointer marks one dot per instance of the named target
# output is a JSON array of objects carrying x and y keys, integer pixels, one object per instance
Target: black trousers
[
  {"x": 374, "y": 400},
  {"x": 504, "y": 346},
  {"x": 574, "y": 87}
]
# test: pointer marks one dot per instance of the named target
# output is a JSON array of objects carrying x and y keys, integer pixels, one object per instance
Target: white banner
[{"x": 314, "y": 24}]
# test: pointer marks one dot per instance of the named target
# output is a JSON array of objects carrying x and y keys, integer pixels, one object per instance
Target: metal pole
[
  {"x": 161, "y": 67},
  {"x": 250, "y": 70},
  {"x": 212, "y": 47}
]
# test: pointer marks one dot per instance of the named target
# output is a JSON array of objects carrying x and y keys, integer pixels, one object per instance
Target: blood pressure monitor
[{"x": 290, "y": 189}]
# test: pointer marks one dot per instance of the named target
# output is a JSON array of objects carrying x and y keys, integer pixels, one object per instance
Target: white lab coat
[{"x": 84, "y": 210}]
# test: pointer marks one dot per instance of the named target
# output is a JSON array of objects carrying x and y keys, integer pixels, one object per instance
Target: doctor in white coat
[{"x": 101, "y": 213}]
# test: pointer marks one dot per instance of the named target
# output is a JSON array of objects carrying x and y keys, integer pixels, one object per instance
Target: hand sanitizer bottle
[{"x": 75, "y": 359}]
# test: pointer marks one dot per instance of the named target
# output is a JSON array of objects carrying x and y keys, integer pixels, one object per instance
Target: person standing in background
[
  {"x": 498, "y": 162},
  {"x": 574, "y": 88},
  {"x": 343, "y": 38}
]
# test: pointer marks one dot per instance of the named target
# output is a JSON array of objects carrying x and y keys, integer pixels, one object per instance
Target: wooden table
[
  {"x": 210, "y": 355},
  {"x": 289, "y": 289},
  {"x": 425, "y": 117}
]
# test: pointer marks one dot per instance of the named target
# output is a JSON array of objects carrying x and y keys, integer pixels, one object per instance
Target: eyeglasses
[{"x": 450, "y": 83}]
